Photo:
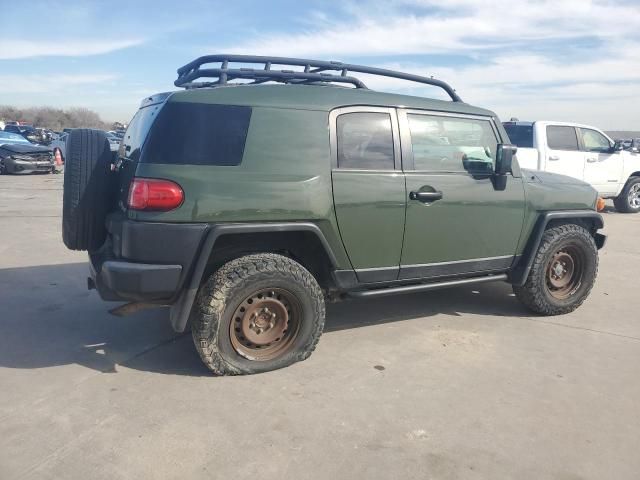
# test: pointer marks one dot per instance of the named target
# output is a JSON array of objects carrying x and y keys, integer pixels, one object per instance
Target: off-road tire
[
  {"x": 87, "y": 189},
  {"x": 223, "y": 292},
  {"x": 621, "y": 202},
  {"x": 535, "y": 293}
]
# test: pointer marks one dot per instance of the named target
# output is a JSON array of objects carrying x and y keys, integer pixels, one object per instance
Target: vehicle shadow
[{"x": 49, "y": 318}]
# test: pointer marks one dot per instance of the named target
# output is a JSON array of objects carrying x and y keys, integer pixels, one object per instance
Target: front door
[
  {"x": 368, "y": 189},
  {"x": 603, "y": 167},
  {"x": 564, "y": 155},
  {"x": 458, "y": 222}
]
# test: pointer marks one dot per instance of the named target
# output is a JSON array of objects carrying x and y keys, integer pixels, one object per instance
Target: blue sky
[{"x": 574, "y": 60}]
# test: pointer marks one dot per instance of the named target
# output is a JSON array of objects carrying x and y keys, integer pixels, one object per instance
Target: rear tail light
[{"x": 153, "y": 194}]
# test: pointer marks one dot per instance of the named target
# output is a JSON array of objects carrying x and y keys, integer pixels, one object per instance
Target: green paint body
[{"x": 366, "y": 216}]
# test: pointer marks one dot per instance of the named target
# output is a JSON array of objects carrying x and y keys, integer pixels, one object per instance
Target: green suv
[{"x": 248, "y": 199}]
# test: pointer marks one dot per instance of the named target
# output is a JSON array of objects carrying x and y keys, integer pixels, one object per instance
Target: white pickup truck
[{"x": 583, "y": 152}]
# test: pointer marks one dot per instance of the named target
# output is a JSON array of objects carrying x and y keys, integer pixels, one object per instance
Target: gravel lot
[{"x": 454, "y": 384}]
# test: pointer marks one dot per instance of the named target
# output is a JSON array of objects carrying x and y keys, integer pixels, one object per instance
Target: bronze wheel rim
[
  {"x": 265, "y": 324},
  {"x": 564, "y": 272}
]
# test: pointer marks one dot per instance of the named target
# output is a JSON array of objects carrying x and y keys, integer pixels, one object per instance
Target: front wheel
[
  {"x": 257, "y": 313},
  {"x": 629, "y": 199},
  {"x": 563, "y": 272}
]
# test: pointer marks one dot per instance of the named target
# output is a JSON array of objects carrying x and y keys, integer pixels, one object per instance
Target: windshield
[
  {"x": 6, "y": 137},
  {"x": 520, "y": 135}
]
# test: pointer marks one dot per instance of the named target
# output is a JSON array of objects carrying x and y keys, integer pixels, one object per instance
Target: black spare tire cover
[{"x": 86, "y": 196}]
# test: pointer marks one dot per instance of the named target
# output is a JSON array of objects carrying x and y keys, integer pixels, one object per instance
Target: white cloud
[
  {"x": 464, "y": 27},
  {"x": 24, "y": 48},
  {"x": 52, "y": 84},
  {"x": 549, "y": 58}
]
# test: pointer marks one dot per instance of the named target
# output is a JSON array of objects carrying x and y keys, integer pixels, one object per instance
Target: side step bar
[{"x": 380, "y": 292}]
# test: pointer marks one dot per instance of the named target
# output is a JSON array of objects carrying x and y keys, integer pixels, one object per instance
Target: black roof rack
[{"x": 315, "y": 71}]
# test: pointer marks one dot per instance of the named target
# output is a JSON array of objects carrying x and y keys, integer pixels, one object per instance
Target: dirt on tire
[
  {"x": 221, "y": 294},
  {"x": 535, "y": 295}
]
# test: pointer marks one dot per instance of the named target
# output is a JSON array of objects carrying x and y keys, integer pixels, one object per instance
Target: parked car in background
[
  {"x": 582, "y": 152},
  {"x": 18, "y": 155},
  {"x": 44, "y": 136},
  {"x": 114, "y": 141},
  {"x": 26, "y": 131},
  {"x": 117, "y": 133}
]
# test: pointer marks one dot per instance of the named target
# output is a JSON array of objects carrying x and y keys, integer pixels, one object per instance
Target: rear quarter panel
[{"x": 284, "y": 176}]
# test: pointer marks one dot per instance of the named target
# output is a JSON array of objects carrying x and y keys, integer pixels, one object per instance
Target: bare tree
[{"x": 54, "y": 118}]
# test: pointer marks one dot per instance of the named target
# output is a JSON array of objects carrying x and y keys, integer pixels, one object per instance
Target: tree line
[{"x": 54, "y": 118}]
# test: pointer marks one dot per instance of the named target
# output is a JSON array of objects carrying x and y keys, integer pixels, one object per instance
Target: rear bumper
[
  {"x": 122, "y": 280},
  {"x": 144, "y": 262}
]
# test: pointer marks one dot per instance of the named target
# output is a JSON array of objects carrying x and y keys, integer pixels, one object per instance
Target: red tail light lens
[{"x": 152, "y": 194}]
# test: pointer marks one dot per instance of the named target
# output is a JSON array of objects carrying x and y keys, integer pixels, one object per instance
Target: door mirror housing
[
  {"x": 504, "y": 158},
  {"x": 618, "y": 146}
]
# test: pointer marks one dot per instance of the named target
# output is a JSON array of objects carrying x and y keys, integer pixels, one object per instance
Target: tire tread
[{"x": 212, "y": 300}]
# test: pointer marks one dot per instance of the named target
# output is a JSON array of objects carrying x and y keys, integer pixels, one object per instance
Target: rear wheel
[
  {"x": 629, "y": 199},
  {"x": 257, "y": 313},
  {"x": 563, "y": 272}
]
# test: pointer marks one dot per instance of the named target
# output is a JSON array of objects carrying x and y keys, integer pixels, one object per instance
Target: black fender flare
[
  {"x": 520, "y": 271},
  {"x": 181, "y": 308}
]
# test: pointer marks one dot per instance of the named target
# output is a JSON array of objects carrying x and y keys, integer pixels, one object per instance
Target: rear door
[
  {"x": 603, "y": 167},
  {"x": 368, "y": 189},
  {"x": 564, "y": 155},
  {"x": 471, "y": 225}
]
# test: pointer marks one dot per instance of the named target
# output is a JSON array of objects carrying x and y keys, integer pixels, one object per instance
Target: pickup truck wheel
[
  {"x": 629, "y": 199},
  {"x": 563, "y": 272},
  {"x": 257, "y": 313}
]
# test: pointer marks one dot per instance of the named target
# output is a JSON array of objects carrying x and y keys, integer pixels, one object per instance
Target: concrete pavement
[{"x": 456, "y": 384}]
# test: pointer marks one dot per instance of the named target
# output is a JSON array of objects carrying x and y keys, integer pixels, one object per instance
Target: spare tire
[{"x": 87, "y": 180}]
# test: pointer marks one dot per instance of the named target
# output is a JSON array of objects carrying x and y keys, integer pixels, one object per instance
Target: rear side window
[
  {"x": 520, "y": 135},
  {"x": 198, "y": 134},
  {"x": 562, "y": 138},
  {"x": 365, "y": 141}
]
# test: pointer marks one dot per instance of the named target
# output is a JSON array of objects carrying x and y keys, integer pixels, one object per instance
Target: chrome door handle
[
  {"x": 592, "y": 160},
  {"x": 554, "y": 157}
]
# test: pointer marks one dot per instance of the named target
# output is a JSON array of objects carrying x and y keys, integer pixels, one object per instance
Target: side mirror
[
  {"x": 618, "y": 146},
  {"x": 504, "y": 158}
]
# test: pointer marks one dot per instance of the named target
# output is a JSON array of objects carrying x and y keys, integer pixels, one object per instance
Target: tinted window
[
  {"x": 562, "y": 138},
  {"x": 452, "y": 144},
  {"x": 594, "y": 141},
  {"x": 198, "y": 134},
  {"x": 520, "y": 135},
  {"x": 365, "y": 141},
  {"x": 137, "y": 131}
]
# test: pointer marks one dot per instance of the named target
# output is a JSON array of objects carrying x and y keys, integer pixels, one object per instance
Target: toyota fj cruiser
[{"x": 244, "y": 204}]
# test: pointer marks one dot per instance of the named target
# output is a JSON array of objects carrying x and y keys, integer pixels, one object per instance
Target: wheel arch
[
  {"x": 588, "y": 219},
  {"x": 303, "y": 242}
]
